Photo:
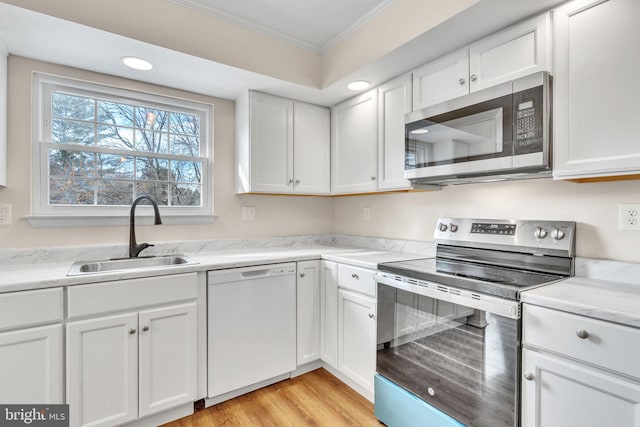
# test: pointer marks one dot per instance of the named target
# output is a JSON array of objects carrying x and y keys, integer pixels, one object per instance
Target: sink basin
[{"x": 94, "y": 267}]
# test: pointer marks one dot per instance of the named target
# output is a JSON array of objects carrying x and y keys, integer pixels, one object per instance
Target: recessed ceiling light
[
  {"x": 136, "y": 63},
  {"x": 420, "y": 131},
  {"x": 358, "y": 85}
]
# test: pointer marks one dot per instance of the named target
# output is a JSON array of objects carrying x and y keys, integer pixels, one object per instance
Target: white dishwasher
[{"x": 251, "y": 325}]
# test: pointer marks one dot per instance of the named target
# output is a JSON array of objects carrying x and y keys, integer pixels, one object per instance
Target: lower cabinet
[
  {"x": 308, "y": 312},
  {"x": 124, "y": 367},
  {"x": 357, "y": 337}
]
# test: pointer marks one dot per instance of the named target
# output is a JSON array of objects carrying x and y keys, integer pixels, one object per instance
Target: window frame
[{"x": 45, "y": 214}]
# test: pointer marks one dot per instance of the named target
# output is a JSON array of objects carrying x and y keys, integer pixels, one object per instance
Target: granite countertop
[
  {"x": 47, "y": 275},
  {"x": 616, "y": 302}
]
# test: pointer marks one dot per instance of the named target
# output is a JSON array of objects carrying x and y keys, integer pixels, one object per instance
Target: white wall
[
  {"x": 594, "y": 206},
  {"x": 276, "y": 216}
]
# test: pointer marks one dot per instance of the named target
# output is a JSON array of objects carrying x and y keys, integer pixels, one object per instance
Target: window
[{"x": 98, "y": 148}]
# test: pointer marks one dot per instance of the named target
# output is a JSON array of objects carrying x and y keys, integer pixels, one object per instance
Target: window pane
[
  {"x": 184, "y": 171},
  {"x": 187, "y": 124},
  {"x": 152, "y": 119},
  {"x": 70, "y": 191},
  {"x": 114, "y": 193},
  {"x": 71, "y": 132},
  {"x": 114, "y": 113},
  {"x": 185, "y": 195},
  {"x": 115, "y": 137},
  {"x": 185, "y": 145},
  {"x": 158, "y": 191},
  {"x": 154, "y": 142},
  {"x": 114, "y": 166},
  {"x": 71, "y": 163},
  {"x": 72, "y": 107},
  {"x": 150, "y": 169}
]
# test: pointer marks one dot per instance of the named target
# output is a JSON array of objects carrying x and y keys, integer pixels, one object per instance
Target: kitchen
[{"x": 387, "y": 218}]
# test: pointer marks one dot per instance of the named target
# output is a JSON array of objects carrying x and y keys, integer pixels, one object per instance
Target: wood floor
[{"x": 314, "y": 399}]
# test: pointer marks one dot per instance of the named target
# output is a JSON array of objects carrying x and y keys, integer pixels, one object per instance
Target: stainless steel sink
[{"x": 94, "y": 267}]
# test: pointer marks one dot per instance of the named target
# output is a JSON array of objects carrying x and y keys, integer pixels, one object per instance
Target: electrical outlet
[
  {"x": 5, "y": 213},
  {"x": 248, "y": 213},
  {"x": 630, "y": 216},
  {"x": 366, "y": 213}
]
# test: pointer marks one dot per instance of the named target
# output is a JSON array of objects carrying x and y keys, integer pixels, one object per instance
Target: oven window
[
  {"x": 478, "y": 132},
  {"x": 461, "y": 360}
]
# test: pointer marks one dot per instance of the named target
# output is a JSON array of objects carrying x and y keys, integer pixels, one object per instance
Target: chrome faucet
[{"x": 136, "y": 248}]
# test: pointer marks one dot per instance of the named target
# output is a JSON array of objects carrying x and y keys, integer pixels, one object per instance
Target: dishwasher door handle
[{"x": 256, "y": 273}]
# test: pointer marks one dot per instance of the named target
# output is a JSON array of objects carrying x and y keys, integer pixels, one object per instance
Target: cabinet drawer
[
  {"x": 357, "y": 279},
  {"x": 605, "y": 344},
  {"x": 122, "y": 295},
  {"x": 20, "y": 309}
]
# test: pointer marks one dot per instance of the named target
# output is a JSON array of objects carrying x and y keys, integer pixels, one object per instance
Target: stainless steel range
[{"x": 449, "y": 327}]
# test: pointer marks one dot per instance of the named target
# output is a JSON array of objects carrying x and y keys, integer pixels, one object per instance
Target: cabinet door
[
  {"x": 519, "y": 50},
  {"x": 308, "y": 312},
  {"x": 311, "y": 151},
  {"x": 562, "y": 393},
  {"x": 271, "y": 137},
  {"x": 354, "y": 144},
  {"x": 168, "y": 357},
  {"x": 595, "y": 99},
  {"x": 357, "y": 337},
  {"x": 329, "y": 313},
  {"x": 440, "y": 80},
  {"x": 3, "y": 116},
  {"x": 31, "y": 363},
  {"x": 102, "y": 370},
  {"x": 394, "y": 101}
]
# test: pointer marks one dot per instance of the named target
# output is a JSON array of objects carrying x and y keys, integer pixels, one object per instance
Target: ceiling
[
  {"x": 313, "y": 24},
  {"x": 40, "y": 36}
]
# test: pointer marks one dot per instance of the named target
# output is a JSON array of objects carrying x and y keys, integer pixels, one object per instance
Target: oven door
[{"x": 460, "y": 359}]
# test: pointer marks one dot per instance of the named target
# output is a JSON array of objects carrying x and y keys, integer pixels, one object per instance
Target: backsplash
[{"x": 585, "y": 267}]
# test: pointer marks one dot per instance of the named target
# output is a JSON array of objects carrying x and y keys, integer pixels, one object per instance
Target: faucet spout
[{"x": 134, "y": 247}]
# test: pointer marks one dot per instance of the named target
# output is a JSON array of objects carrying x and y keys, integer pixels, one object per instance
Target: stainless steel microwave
[{"x": 502, "y": 132}]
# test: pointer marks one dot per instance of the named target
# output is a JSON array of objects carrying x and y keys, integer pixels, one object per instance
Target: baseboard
[
  {"x": 244, "y": 390},
  {"x": 163, "y": 417}
]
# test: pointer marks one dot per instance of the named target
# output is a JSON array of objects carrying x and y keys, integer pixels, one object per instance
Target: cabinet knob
[
  {"x": 145, "y": 328},
  {"x": 373, "y": 178},
  {"x": 355, "y": 276},
  {"x": 528, "y": 376},
  {"x": 473, "y": 77},
  {"x": 371, "y": 315},
  {"x": 462, "y": 81},
  {"x": 582, "y": 334},
  {"x": 302, "y": 274},
  {"x": 290, "y": 181},
  {"x": 297, "y": 181},
  {"x": 132, "y": 331}
]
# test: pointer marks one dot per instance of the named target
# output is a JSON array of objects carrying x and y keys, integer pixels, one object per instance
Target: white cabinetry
[
  {"x": 126, "y": 366},
  {"x": 578, "y": 371},
  {"x": 308, "y": 311},
  {"x": 31, "y": 354},
  {"x": 595, "y": 98},
  {"x": 3, "y": 114},
  {"x": 394, "y": 101},
  {"x": 354, "y": 144},
  {"x": 282, "y": 146},
  {"x": 514, "y": 52},
  {"x": 329, "y": 313}
]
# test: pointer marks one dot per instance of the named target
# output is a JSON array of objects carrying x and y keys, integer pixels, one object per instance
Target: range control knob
[
  {"x": 540, "y": 233},
  {"x": 557, "y": 234},
  {"x": 453, "y": 228},
  {"x": 442, "y": 227}
]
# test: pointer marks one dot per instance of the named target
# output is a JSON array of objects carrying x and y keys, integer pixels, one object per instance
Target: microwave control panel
[{"x": 527, "y": 118}]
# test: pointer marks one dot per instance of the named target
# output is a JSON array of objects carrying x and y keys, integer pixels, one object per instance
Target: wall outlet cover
[
  {"x": 5, "y": 213},
  {"x": 248, "y": 213},
  {"x": 629, "y": 216}
]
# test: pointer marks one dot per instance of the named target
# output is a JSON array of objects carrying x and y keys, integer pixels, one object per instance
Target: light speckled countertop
[
  {"x": 47, "y": 275},
  {"x": 600, "y": 299}
]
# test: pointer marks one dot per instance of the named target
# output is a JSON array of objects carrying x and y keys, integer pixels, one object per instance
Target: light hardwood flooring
[{"x": 314, "y": 399}]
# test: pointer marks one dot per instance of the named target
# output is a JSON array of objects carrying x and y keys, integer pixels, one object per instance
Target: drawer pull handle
[
  {"x": 528, "y": 376},
  {"x": 355, "y": 276},
  {"x": 582, "y": 334},
  {"x": 132, "y": 331}
]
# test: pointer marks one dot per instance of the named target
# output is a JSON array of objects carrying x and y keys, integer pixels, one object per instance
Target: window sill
[{"x": 52, "y": 221}]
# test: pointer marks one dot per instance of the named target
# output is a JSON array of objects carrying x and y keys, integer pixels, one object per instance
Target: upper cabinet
[
  {"x": 514, "y": 52},
  {"x": 3, "y": 115},
  {"x": 354, "y": 144},
  {"x": 595, "y": 99},
  {"x": 282, "y": 146}
]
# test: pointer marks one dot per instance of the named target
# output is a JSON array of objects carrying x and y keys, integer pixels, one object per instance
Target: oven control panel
[{"x": 538, "y": 237}]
